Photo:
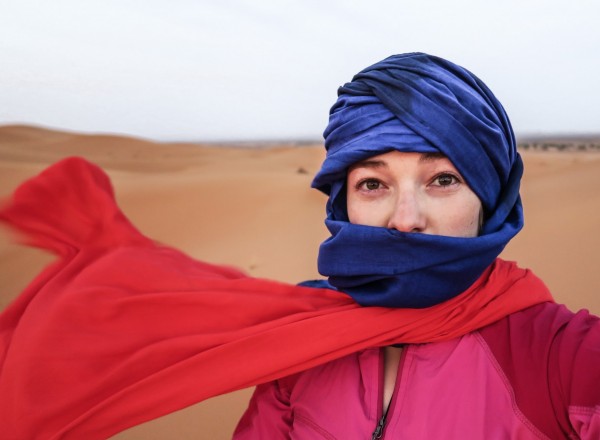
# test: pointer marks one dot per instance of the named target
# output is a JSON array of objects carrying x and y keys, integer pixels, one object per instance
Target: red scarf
[{"x": 122, "y": 330}]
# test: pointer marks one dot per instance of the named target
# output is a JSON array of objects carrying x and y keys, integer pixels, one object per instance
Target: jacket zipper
[{"x": 378, "y": 432}]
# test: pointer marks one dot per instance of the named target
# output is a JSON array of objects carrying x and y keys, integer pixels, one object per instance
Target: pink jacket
[{"x": 532, "y": 375}]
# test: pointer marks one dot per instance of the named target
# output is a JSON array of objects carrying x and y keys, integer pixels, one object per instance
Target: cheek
[
  {"x": 365, "y": 213},
  {"x": 464, "y": 221},
  {"x": 359, "y": 214},
  {"x": 352, "y": 209}
]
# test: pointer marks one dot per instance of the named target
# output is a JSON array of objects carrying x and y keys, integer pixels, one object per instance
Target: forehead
[{"x": 387, "y": 159}]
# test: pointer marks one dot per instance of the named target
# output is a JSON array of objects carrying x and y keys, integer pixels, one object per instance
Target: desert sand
[{"x": 252, "y": 207}]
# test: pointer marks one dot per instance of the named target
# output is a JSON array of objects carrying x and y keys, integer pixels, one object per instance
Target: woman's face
[{"x": 412, "y": 192}]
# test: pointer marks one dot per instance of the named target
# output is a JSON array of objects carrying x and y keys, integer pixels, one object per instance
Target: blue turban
[{"x": 417, "y": 103}]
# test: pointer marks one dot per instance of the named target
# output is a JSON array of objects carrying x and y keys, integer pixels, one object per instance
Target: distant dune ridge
[
  {"x": 253, "y": 208},
  {"x": 560, "y": 143}
]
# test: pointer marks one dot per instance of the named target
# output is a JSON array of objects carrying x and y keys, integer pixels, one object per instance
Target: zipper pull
[{"x": 378, "y": 433}]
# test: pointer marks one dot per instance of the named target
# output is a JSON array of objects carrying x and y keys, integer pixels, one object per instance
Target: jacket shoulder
[{"x": 549, "y": 356}]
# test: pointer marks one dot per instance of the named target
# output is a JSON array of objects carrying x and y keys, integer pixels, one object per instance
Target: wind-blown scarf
[
  {"x": 417, "y": 103},
  {"x": 121, "y": 330}
]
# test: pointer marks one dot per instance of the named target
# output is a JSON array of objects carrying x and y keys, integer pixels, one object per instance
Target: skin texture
[{"x": 411, "y": 192}]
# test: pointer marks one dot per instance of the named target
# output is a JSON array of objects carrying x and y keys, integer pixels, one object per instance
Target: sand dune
[{"x": 253, "y": 208}]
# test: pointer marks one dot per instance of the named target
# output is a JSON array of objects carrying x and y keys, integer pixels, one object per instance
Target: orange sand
[{"x": 254, "y": 209}]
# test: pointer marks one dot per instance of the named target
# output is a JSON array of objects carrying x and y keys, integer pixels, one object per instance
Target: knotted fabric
[{"x": 417, "y": 103}]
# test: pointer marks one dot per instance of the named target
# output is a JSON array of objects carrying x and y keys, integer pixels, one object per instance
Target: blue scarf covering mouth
[{"x": 417, "y": 103}]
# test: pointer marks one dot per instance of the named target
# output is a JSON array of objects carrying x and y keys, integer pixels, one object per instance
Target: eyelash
[
  {"x": 455, "y": 179},
  {"x": 360, "y": 185}
]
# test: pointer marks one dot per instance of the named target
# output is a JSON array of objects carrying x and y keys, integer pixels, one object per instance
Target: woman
[{"x": 423, "y": 181}]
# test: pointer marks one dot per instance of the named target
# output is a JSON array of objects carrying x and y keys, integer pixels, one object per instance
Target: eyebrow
[{"x": 429, "y": 157}]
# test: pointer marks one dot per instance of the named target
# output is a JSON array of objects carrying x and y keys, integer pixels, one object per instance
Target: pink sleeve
[
  {"x": 551, "y": 358},
  {"x": 585, "y": 421},
  {"x": 577, "y": 361},
  {"x": 269, "y": 414}
]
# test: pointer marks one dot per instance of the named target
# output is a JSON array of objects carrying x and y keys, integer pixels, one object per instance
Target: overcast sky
[{"x": 232, "y": 69}]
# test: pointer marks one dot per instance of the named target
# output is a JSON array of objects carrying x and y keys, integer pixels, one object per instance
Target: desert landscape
[{"x": 251, "y": 206}]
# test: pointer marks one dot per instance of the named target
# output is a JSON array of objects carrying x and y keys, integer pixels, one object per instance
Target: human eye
[
  {"x": 369, "y": 184},
  {"x": 445, "y": 180}
]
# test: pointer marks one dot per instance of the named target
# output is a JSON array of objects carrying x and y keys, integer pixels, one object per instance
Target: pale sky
[{"x": 245, "y": 70}]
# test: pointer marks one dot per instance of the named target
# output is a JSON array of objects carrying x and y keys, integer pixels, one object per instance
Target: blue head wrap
[{"x": 417, "y": 103}]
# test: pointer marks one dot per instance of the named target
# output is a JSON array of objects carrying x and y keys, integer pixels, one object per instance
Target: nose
[{"x": 408, "y": 213}]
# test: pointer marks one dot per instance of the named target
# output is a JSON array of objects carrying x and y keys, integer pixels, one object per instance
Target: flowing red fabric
[{"x": 121, "y": 330}]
